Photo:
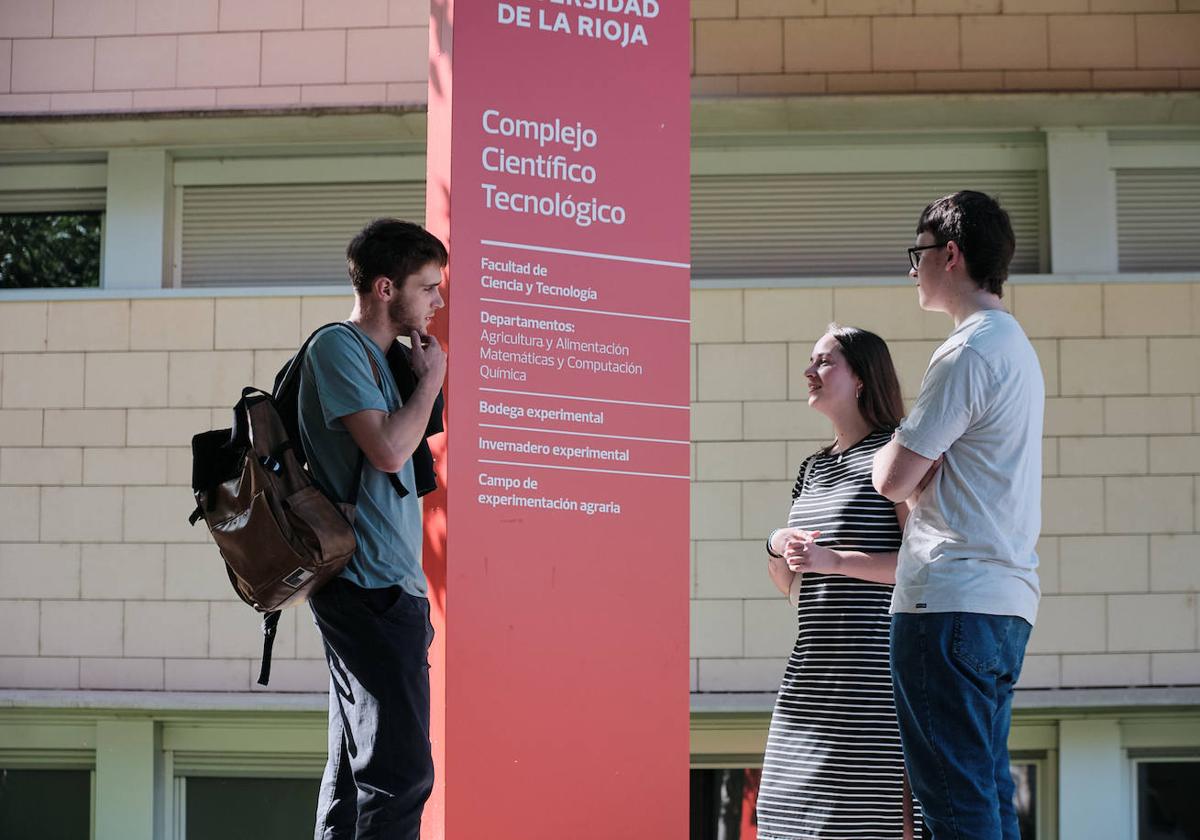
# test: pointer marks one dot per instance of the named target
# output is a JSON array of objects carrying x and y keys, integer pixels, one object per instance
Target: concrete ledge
[
  {"x": 1107, "y": 698},
  {"x": 730, "y": 702},
  {"x": 343, "y": 290},
  {"x": 733, "y": 703},
  {"x": 1062, "y": 279},
  {"x": 164, "y": 701},
  {"x": 16, "y": 295},
  {"x": 1032, "y": 699},
  {"x": 212, "y": 130},
  {"x": 742, "y": 115}
]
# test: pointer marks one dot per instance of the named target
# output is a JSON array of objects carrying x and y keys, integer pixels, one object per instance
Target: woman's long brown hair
[{"x": 867, "y": 354}]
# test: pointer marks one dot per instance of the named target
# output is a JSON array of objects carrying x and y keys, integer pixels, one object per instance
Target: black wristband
[{"x": 770, "y": 550}]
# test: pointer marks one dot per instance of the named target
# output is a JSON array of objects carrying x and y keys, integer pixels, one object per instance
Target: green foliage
[{"x": 49, "y": 250}]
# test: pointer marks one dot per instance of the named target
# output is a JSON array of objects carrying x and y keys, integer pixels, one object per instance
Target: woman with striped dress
[{"x": 833, "y": 768}]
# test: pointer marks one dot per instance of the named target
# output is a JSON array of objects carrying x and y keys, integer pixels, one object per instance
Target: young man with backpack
[
  {"x": 970, "y": 454},
  {"x": 374, "y": 617}
]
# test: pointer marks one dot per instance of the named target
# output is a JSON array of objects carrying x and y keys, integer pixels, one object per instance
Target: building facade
[{"x": 211, "y": 159}]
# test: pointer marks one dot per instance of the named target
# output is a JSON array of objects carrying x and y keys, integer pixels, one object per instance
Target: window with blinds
[
  {"x": 1158, "y": 219},
  {"x": 51, "y": 238},
  {"x": 743, "y": 225},
  {"x": 281, "y": 234},
  {"x": 843, "y": 224}
]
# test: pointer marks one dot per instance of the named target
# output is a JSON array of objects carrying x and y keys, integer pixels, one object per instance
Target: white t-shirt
[{"x": 969, "y": 544}]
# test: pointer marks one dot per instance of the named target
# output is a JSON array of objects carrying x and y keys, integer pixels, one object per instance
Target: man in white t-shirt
[{"x": 968, "y": 459}]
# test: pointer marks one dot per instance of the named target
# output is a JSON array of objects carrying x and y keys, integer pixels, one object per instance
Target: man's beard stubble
[{"x": 403, "y": 321}]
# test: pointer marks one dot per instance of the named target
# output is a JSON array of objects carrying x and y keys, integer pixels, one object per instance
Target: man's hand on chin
[{"x": 428, "y": 357}]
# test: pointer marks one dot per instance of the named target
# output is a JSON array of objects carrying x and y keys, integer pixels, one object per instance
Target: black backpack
[{"x": 280, "y": 534}]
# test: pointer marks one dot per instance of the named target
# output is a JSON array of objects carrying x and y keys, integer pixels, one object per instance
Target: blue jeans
[
  {"x": 380, "y": 770},
  {"x": 953, "y": 676}
]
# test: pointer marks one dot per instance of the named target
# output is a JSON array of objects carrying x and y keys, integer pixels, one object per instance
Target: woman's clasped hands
[{"x": 802, "y": 554}]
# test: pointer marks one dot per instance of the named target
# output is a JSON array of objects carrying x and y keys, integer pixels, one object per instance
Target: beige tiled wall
[
  {"x": 123, "y": 55},
  {"x": 103, "y": 585},
  {"x": 780, "y": 47},
  {"x": 1120, "y": 549}
]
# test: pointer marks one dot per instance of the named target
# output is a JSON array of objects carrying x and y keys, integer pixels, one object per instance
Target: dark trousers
[
  {"x": 380, "y": 769},
  {"x": 953, "y": 676}
]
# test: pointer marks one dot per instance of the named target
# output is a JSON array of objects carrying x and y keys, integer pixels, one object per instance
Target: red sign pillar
[{"x": 559, "y": 174}]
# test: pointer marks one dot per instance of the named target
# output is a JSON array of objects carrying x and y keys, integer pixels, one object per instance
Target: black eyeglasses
[{"x": 914, "y": 254}]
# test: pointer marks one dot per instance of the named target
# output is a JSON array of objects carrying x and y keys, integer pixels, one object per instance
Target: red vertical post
[
  {"x": 437, "y": 220},
  {"x": 559, "y": 175}
]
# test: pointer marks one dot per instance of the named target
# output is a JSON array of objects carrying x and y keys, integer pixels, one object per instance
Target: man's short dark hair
[
  {"x": 982, "y": 231},
  {"x": 391, "y": 248}
]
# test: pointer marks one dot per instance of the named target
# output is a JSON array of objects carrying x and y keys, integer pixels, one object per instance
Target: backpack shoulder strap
[
  {"x": 284, "y": 380},
  {"x": 394, "y": 479},
  {"x": 289, "y": 375}
]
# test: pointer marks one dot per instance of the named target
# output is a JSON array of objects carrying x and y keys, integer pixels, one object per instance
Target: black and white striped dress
[{"x": 833, "y": 766}]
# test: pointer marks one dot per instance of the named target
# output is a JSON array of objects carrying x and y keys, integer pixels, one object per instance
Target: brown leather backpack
[{"x": 280, "y": 535}]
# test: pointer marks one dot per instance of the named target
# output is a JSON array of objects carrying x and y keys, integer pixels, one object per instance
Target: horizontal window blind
[
  {"x": 274, "y": 765},
  {"x": 842, "y": 224},
  {"x": 282, "y": 234},
  {"x": 1158, "y": 219},
  {"x": 47, "y": 759},
  {"x": 51, "y": 201}
]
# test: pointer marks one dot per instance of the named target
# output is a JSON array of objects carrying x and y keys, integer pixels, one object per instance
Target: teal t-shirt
[{"x": 336, "y": 380}]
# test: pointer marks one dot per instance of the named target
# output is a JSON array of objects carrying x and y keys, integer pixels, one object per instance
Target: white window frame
[
  {"x": 30, "y": 745},
  {"x": 1032, "y": 739},
  {"x": 266, "y": 747},
  {"x": 1156, "y": 739},
  {"x": 1045, "y": 764},
  {"x": 1189, "y": 757},
  {"x": 737, "y": 739},
  {"x": 178, "y": 791}
]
